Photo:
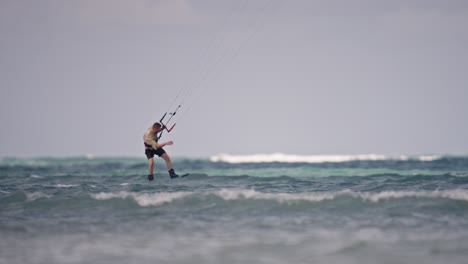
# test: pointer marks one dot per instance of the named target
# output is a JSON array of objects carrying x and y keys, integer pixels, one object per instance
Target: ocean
[{"x": 235, "y": 209}]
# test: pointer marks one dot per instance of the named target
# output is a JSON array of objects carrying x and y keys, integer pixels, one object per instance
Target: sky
[{"x": 88, "y": 77}]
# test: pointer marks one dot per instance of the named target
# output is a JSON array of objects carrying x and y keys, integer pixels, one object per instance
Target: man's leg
[
  {"x": 166, "y": 158},
  {"x": 150, "y": 169}
]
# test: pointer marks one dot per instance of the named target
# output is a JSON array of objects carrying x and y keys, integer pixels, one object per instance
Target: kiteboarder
[{"x": 152, "y": 147}]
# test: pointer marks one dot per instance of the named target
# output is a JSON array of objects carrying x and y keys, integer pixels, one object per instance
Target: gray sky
[{"x": 298, "y": 77}]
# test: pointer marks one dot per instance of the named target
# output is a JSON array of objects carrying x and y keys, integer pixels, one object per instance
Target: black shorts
[{"x": 151, "y": 152}]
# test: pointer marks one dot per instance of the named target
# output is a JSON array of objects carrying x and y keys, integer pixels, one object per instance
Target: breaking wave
[
  {"x": 143, "y": 199},
  {"x": 288, "y": 158},
  {"x": 37, "y": 195},
  {"x": 155, "y": 199}
]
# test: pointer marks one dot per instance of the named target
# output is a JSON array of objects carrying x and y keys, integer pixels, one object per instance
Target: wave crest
[
  {"x": 287, "y": 158},
  {"x": 143, "y": 199},
  {"x": 37, "y": 195},
  {"x": 156, "y": 199}
]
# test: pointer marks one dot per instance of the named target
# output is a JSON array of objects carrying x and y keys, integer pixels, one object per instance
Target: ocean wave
[
  {"x": 59, "y": 185},
  {"x": 155, "y": 199},
  {"x": 36, "y": 195},
  {"x": 321, "y": 196},
  {"x": 288, "y": 158},
  {"x": 143, "y": 199}
]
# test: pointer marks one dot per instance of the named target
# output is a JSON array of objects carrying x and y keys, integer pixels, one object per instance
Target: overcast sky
[{"x": 299, "y": 77}]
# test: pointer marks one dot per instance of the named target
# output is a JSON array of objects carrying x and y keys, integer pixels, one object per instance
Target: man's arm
[
  {"x": 168, "y": 143},
  {"x": 150, "y": 141}
]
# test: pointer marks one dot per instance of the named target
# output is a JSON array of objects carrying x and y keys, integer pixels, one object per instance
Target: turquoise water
[{"x": 103, "y": 210}]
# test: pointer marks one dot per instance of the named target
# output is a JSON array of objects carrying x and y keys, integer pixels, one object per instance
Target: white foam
[
  {"x": 229, "y": 194},
  {"x": 143, "y": 199},
  {"x": 288, "y": 158},
  {"x": 428, "y": 158},
  {"x": 155, "y": 199},
  {"x": 459, "y": 194},
  {"x": 233, "y": 194},
  {"x": 59, "y": 185},
  {"x": 36, "y": 195}
]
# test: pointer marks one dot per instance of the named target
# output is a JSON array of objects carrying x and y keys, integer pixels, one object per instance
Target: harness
[{"x": 148, "y": 146}]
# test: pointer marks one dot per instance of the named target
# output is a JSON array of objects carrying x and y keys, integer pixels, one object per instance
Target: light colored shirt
[{"x": 150, "y": 139}]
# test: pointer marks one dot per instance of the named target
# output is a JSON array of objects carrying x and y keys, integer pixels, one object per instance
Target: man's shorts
[{"x": 151, "y": 152}]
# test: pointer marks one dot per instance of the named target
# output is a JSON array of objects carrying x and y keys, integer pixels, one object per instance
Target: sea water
[{"x": 235, "y": 209}]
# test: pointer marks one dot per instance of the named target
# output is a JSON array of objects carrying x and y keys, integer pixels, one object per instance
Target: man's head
[{"x": 157, "y": 127}]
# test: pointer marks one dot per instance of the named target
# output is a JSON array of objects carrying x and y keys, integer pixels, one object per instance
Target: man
[{"x": 152, "y": 147}]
